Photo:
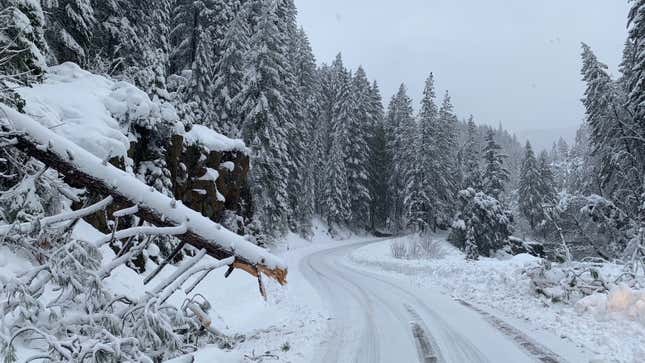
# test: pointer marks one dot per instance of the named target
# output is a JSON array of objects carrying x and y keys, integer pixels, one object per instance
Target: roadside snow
[
  {"x": 288, "y": 325},
  {"x": 609, "y": 327},
  {"x": 622, "y": 301}
]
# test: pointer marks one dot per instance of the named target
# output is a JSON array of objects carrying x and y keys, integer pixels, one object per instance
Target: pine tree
[
  {"x": 620, "y": 164},
  {"x": 483, "y": 218},
  {"x": 547, "y": 180},
  {"x": 337, "y": 203},
  {"x": 379, "y": 169},
  {"x": 322, "y": 132},
  {"x": 470, "y": 158},
  {"x": 192, "y": 38},
  {"x": 229, "y": 74},
  {"x": 426, "y": 146},
  {"x": 446, "y": 146},
  {"x": 636, "y": 85},
  {"x": 22, "y": 40},
  {"x": 416, "y": 202},
  {"x": 531, "y": 188},
  {"x": 224, "y": 12},
  {"x": 304, "y": 66},
  {"x": 495, "y": 174},
  {"x": 266, "y": 120},
  {"x": 563, "y": 148},
  {"x": 137, "y": 35},
  {"x": 400, "y": 134},
  {"x": 358, "y": 152},
  {"x": 70, "y": 30}
]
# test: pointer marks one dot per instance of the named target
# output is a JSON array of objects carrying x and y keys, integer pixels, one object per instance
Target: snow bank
[
  {"x": 622, "y": 301},
  {"x": 214, "y": 141}
]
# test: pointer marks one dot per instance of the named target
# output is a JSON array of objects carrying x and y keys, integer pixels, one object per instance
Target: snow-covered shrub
[
  {"x": 489, "y": 219},
  {"x": 398, "y": 249},
  {"x": 471, "y": 250},
  {"x": 417, "y": 247}
]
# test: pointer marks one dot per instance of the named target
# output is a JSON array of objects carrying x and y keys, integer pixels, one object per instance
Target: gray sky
[{"x": 514, "y": 61}]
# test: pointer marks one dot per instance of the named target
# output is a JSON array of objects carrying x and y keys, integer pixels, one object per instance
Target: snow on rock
[
  {"x": 210, "y": 175},
  {"x": 214, "y": 141},
  {"x": 228, "y": 165}
]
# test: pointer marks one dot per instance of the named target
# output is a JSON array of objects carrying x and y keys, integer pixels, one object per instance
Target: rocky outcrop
[{"x": 211, "y": 182}]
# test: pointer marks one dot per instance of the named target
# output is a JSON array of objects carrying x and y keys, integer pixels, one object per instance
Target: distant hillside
[{"x": 544, "y": 138}]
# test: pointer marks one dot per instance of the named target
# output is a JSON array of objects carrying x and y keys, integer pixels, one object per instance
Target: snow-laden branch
[
  {"x": 29, "y": 227},
  {"x": 126, "y": 212},
  {"x": 82, "y": 169},
  {"x": 144, "y": 230},
  {"x": 179, "y": 282},
  {"x": 180, "y": 271}
]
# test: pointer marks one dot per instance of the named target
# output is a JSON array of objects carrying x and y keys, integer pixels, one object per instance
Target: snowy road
[{"x": 378, "y": 318}]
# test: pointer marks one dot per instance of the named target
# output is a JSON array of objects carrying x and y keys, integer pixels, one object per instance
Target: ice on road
[{"x": 378, "y": 318}]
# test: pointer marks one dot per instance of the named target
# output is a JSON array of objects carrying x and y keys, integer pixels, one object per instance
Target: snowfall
[{"x": 86, "y": 111}]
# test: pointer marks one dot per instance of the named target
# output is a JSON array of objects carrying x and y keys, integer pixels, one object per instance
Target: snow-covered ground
[
  {"x": 604, "y": 328},
  {"x": 298, "y": 322},
  {"x": 287, "y": 327}
]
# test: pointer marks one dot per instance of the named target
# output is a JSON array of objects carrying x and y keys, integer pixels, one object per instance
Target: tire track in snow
[
  {"x": 331, "y": 281},
  {"x": 540, "y": 352},
  {"x": 425, "y": 344},
  {"x": 467, "y": 351}
]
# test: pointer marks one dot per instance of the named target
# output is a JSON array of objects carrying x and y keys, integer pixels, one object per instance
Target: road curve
[{"x": 378, "y": 318}]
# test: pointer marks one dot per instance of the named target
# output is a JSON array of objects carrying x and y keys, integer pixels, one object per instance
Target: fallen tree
[{"x": 81, "y": 169}]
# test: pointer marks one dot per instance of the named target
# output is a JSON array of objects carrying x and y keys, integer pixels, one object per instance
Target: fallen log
[{"x": 81, "y": 169}]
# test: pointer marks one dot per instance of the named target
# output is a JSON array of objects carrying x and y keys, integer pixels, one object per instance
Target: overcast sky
[{"x": 514, "y": 61}]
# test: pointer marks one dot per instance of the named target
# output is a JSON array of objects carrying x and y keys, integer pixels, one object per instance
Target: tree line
[{"x": 322, "y": 142}]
